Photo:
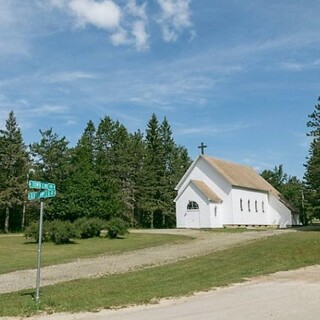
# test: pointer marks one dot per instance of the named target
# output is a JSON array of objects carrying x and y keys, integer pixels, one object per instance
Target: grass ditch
[{"x": 265, "y": 256}]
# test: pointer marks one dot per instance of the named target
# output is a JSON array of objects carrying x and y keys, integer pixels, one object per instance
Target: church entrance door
[{"x": 193, "y": 219}]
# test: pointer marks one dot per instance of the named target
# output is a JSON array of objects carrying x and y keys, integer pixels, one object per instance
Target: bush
[
  {"x": 32, "y": 231},
  {"x": 89, "y": 227},
  {"x": 62, "y": 232},
  {"x": 117, "y": 227}
]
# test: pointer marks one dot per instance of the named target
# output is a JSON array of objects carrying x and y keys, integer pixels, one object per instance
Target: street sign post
[
  {"x": 46, "y": 190},
  {"x": 39, "y": 253},
  {"x": 41, "y": 194},
  {"x": 41, "y": 185}
]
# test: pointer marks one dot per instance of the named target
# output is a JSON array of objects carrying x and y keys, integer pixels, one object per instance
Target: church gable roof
[
  {"x": 206, "y": 191},
  {"x": 239, "y": 175},
  {"x": 244, "y": 177}
]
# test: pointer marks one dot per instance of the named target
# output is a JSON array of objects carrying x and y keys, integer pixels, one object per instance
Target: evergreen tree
[
  {"x": 51, "y": 158},
  {"x": 312, "y": 174},
  {"x": 108, "y": 203},
  {"x": 293, "y": 191},
  {"x": 163, "y": 166},
  {"x": 168, "y": 181},
  {"x": 151, "y": 197},
  {"x": 82, "y": 184},
  {"x": 277, "y": 178},
  {"x": 13, "y": 168},
  {"x": 132, "y": 159},
  {"x": 290, "y": 187}
]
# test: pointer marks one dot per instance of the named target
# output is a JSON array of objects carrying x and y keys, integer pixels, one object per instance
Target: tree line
[
  {"x": 110, "y": 172},
  {"x": 303, "y": 194}
]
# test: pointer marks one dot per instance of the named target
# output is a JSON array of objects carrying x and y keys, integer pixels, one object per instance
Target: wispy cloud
[
  {"x": 174, "y": 18},
  {"x": 69, "y": 76},
  {"x": 299, "y": 66},
  {"x": 11, "y": 41},
  {"x": 49, "y": 110},
  {"x": 30, "y": 116},
  {"x": 213, "y": 130},
  {"x": 127, "y": 22}
]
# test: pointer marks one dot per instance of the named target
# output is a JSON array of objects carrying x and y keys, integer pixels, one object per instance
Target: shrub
[
  {"x": 117, "y": 227},
  {"x": 32, "y": 231},
  {"x": 89, "y": 227},
  {"x": 62, "y": 232}
]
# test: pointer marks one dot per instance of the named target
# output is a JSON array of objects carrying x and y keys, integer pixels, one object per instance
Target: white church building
[{"x": 214, "y": 193}]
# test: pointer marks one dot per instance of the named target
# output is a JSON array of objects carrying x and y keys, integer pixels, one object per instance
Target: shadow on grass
[
  {"x": 312, "y": 227},
  {"x": 57, "y": 244},
  {"x": 32, "y": 294}
]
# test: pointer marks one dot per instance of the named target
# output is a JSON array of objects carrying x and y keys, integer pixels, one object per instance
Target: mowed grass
[
  {"x": 17, "y": 253},
  {"x": 283, "y": 252}
]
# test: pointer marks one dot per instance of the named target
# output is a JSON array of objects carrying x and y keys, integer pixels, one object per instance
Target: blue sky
[{"x": 239, "y": 75}]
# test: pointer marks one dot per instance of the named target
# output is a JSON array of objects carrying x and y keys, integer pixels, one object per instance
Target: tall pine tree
[
  {"x": 107, "y": 144},
  {"x": 82, "y": 185},
  {"x": 51, "y": 157},
  {"x": 13, "y": 169},
  {"x": 151, "y": 197},
  {"x": 312, "y": 174}
]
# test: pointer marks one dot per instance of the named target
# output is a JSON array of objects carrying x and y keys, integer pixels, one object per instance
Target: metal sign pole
[{"x": 39, "y": 252}]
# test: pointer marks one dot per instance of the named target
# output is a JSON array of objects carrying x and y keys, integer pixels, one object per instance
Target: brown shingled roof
[
  {"x": 206, "y": 191},
  {"x": 239, "y": 175},
  {"x": 244, "y": 177}
]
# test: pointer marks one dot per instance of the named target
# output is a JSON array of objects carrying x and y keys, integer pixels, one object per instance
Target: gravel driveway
[{"x": 204, "y": 242}]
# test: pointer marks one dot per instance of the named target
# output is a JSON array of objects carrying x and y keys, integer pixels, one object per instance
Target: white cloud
[
  {"x": 175, "y": 17},
  {"x": 137, "y": 11},
  {"x": 139, "y": 28},
  {"x": 127, "y": 21},
  {"x": 140, "y": 34},
  {"x": 120, "y": 37},
  {"x": 105, "y": 14}
]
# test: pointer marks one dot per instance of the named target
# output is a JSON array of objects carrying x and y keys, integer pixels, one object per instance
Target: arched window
[
  {"x": 249, "y": 206},
  {"x": 256, "y": 205},
  {"x": 215, "y": 211},
  {"x": 192, "y": 205},
  {"x": 241, "y": 205}
]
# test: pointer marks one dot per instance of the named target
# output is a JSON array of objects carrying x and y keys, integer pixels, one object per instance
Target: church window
[
  {"x": 192, "y": 205},
  {"x": 256, "y": 205},
  {"x": 241, "y": 205},
  {"x": 262, "y": 206},
  {"x": 249, "y": 206},
  {"x": 215, "y": 211}
]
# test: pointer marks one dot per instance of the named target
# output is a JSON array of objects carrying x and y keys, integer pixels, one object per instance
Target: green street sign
[
  {"x": 41, "y": 185},
  {"x": 41, "y": 194}
]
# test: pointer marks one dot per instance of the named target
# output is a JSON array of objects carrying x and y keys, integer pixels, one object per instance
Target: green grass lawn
[
  {"x": 17, "y": 253},
  {"x": 284, "y": 252}
]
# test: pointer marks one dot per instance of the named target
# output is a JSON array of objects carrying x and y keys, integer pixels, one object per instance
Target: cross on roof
[{"x": 202, "y": 147}]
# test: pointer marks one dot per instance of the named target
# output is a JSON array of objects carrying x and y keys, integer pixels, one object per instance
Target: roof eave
[{"x": 182, "y": 180}]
